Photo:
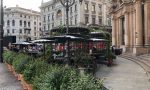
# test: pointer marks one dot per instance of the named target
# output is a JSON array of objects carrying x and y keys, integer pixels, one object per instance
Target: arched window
[
  {"x": 59, "y": 13},
  {"x": 28, "y": 24},
  {"x": 8, "y": 22},
  {"x": 20, "y": 22},
  {"x": 25, "y": 23},
  {"x": 13, "y": 22},
  {"x": 120, "y": 1}
]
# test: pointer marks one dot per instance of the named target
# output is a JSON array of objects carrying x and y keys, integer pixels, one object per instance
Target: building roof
[
  {"x": 21, "y": 10},
  {"x": 45, "y": 4}
]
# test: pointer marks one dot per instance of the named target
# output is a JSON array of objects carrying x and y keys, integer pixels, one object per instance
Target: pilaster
[
  {"x": 147, "y": 22},
  {"x": 139, "y": 32},
  {"x": 114, "y": 30},
  {"x": 127, "y": 36}
]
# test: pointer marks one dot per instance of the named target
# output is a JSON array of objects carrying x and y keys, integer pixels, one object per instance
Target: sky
[{"x": 29, "y": 4}]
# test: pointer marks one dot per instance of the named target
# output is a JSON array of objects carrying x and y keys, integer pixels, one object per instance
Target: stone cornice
[{"x": 147, "y": 1}]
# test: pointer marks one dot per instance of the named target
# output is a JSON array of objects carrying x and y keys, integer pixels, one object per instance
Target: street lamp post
[
  {"x": 67, "y": 4},
  {"x": 1, "y": 31}
]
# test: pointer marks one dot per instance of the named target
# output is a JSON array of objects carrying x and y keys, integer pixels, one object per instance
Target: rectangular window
[
  {"x": 8, "y": 31},
  {"x": 40, "y": 29},
  {"x": 48, "y": 8},
  {"x": 86, "y": 20},
  {"x": 24, "y": 31},
  {"x": 100, "y": 9},
  {"x": 75, "y": 20},
  {"x": 34, "y": 33},
  {"x": 93, "y": 20},
  {"x": 44, "y": 18},
  {"x": 20, "y": 22},
  {"x": 53, "y": 17},
  {"x": 100, "y": 21},
  {"x": 70, "y": 21},
  {"x": 34, "y": 23},
  {"x": 70, "y": 10},
  {"x": 40, "y": 24},
  {"x": 75, "y": 7},
  {"x": 34, "y": 28},
  {"x": 52, "y": 7},
  {"x": 44, "y": 28},
  {"x": 13, "y": 30},
  {"x": 28, "y": 24},
  {"x": 52, "y": 25},
  {"x": 93, "y": 8},
  {"x": 48, "y": 27},
  {"x": 48, "y": 17},
  {"x": 20, "y": 31},
  {"x": 86, "y": 6},
  {"x": 28, "y": 31}
]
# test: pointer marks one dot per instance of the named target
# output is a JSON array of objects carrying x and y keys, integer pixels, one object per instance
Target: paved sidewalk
[
  {"x": 7, "y": 80},
  {"x": 125, "y": 75}
]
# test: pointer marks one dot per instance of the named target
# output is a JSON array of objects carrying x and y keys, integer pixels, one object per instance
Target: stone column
[
  {"x": 127, "y": 36},
  {"x": 147, "y": 22},
  {"x": 114, "y": 31},
  {"x": 131, "y": 29},
  {"x": 139, "y": 32},
  {"x": 117, "y": 32}
]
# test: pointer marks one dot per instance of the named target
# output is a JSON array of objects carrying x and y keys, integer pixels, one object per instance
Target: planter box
[{"x": 10, "y": 68}]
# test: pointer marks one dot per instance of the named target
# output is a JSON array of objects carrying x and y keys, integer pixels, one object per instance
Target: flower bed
[{"x": 37, "y": 74}]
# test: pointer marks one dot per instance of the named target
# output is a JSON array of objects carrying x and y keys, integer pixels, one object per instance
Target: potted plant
[
  {"x": 83, "y": 61},
  {"x": 109, "y": 57}
]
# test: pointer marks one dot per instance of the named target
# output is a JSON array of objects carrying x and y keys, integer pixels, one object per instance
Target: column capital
[
  {"x": 138, "y": 0},
  {"x": 126, "y": 12},
  {"x": 114, "y": 17},
  {"x": 146, "y": 1}
]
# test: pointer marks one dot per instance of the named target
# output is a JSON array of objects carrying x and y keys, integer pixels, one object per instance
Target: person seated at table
[
  {"x": 15, "y": 49},
  {"x": 94, "y": 50},
  {"x": 29, "y": 49}
]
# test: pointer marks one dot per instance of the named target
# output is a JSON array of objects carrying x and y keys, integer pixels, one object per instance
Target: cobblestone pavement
[
  {"x": 124, "y": 75},
  {"x": 7, "y": 80}
]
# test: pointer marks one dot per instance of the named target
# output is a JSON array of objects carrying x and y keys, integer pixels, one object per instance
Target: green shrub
[
  {"x": 9, "y": 56},
  {"x": 20, "y": 61},
  {"x": 29, "y": 71},
  {"x": 34, "y": 69},
  {"x": 62, "y": 78},
  {"x": 86, "y": 82},
  {"x": 82, "y": 59},
  {"x": 6, "y": 55}
]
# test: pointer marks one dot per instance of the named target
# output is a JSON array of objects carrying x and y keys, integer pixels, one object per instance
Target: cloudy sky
[{"x": 29, "y": 4}]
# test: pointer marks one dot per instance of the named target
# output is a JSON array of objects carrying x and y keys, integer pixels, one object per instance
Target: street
[
  {"x": 124, "y": 75},
  {"x": 7, "y": 80}
]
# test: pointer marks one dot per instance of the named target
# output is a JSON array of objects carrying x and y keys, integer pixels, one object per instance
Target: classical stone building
[
  {"x": 85, "y": 13},
  {"x": 131, "y": 25},
  {"x": 23, "y": 23}
]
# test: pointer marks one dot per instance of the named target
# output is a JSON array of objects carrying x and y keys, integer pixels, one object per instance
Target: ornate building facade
[
  {"x": 23, "y": 23},
  {"x": 80, "y": 13},
  {"x": 131, "y": 25}
]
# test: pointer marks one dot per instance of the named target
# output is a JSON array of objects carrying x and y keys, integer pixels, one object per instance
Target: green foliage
[
  {"x": 20, "y": 61},
  {"x": 6, "y": 55},
  {"x": 62, "y": 78},
  {"x": 61, "y": 30},
  {"x": 44, "y": 76},
  {"x": 9, "y": 56},
  {"x": 34, "y": 69},
  {"x": 29, "y": 71},
  {"x": 82, "y": 58},
  {"x": 87, "y": 82}
]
